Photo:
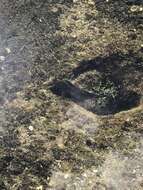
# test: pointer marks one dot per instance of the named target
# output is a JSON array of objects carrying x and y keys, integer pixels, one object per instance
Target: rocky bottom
[{"x": 71, "y": 110}]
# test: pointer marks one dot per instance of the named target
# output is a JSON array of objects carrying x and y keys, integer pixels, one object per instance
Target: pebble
[
  {"x": 2, "y": 58},
  {"x": 8, "y": 50},
  {"x": 128, "y": 119},
  {"x": 31, "y": 128},
  {"x": 136, "y": 8},
  {"x": 55, "y": 9},
  {"x": 75, "y": 1},
  {"x": 39, "y": 188},
  {"x": 66, "y": 176}
]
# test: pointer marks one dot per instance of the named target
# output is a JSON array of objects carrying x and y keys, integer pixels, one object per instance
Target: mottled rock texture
[{"x": 71, "y": 87}]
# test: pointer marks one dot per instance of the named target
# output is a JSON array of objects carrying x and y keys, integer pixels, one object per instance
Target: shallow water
[{"x": 55, "y": 57}]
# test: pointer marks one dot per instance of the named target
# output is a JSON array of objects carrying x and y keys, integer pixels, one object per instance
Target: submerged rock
[{"x": 93, "y": 48}]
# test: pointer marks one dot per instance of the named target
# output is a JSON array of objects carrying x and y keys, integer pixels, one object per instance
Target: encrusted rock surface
[{"x": 52, "y": 142}]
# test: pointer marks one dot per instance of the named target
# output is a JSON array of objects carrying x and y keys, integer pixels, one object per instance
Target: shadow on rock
[
  {"x": 118, "y": 70},
  {"x": 92, "y": 102}
]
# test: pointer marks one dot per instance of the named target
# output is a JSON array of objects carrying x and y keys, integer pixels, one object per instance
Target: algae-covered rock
[{"x": 71, "y": 109}]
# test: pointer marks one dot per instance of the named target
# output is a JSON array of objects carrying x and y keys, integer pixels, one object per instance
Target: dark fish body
[{"x": 85, "y": 99}]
